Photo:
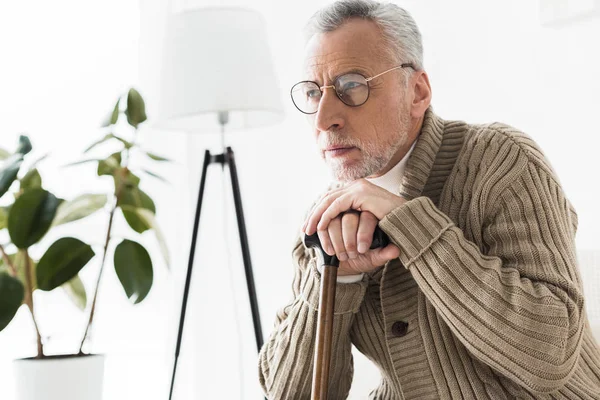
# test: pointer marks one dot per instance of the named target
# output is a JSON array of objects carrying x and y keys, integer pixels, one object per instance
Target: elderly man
[{"x": 478, "y": 296}]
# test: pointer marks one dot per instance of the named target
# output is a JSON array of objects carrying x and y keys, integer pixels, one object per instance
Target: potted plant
[{"x": 30, "y": 211}]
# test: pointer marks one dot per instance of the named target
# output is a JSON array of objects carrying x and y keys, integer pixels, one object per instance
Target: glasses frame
[{"x": 322, "y": 88}]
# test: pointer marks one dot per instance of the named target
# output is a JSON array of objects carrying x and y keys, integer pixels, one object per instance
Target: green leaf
[
  {"x": 62, "y": 261},
  {"x": 3, "y": 265},
  {"x": 148, "y": 218},
  {"x": 31, "y": 180},
  {"x": 82, "y": 162},
  {"x": 134, "y": 220},
  {"x": 114, "y": 116},
  {"x": 4, "y": 154},
  {"x": 31, "y": 216},
  {"x": 135, "y": 198},
  {"x": 134, "y": 269},
  {"x": 136, "y": 108},
  {"x": 12, "y": 294},
  {"x": 96, "y": 143},
  {"x": 18, "y": 261},
  {"x": 160, "y": 238},
  {"x": 109, "y": 136},
  {"x": 76, "y": 292},
  {"x": 126, "y": 143},
  {"x": 24, "y": 145},
  {"x": 4, "y": 217},
  {"x": 109, "y": 165},
  {"x": 128, "y": 179},
  {"x": 156, "y": 157},
  {"x": 9, "y": 171},
  {"x": 78, "y": 208},
  {"x": 152, "y": 174}
]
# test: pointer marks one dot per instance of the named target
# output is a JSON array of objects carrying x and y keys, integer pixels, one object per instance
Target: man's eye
[
  {"x": 313, "y": 93},
  {"x": 351, "y": 85}
]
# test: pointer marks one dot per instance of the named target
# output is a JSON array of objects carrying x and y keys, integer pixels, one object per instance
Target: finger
[
  {"x": 382, "y": 255},
  {"x": 325, "y": 242},
  {"x": 317, "y": 212},
  {"x": 308, "y": 214},
  {"x": 335, "y": 235},
  {"x": 338, "y": 205},
  {"x": 312, "y": 207},
  {"x": 350, "y": 221},
  {"x": 366, "y": 228},
  {"x": 390, "y": 252},
  {"x": 316, "y": 203}
]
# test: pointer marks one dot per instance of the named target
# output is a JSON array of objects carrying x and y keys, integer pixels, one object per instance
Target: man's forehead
[
  {"x": 324, "y": 61},
  {"x": 355, "y": 44},
  {"x": 324, "y": 57}
]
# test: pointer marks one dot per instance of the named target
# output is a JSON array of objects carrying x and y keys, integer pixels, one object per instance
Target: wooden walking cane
[{"x": 322, "y": 360}]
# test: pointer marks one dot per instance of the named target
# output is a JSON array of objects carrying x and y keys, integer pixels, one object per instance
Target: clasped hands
[{"x": 345, "y": 220}]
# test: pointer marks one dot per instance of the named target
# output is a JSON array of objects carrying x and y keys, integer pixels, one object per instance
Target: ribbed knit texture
[{"x": 487, "y": 281}]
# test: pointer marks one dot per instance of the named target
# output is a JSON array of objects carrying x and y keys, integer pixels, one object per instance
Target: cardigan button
[{"x": 399, "y": 328}]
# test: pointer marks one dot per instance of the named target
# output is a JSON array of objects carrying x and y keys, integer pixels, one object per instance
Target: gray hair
[{"x": 399, "y": 29}]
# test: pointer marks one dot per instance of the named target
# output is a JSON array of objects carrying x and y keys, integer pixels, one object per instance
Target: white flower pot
[{"x": 60, "y": 378}]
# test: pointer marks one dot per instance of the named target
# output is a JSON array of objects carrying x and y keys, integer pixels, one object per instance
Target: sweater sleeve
[
  {"x": 514, "y": 302},
  {"x": 286, "y": 359}
]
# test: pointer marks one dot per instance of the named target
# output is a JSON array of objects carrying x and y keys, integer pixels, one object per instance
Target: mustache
[{"x": 338, "y": 140}]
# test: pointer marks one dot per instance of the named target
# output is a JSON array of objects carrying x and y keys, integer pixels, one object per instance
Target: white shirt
[{"x": 390, "y": 181}]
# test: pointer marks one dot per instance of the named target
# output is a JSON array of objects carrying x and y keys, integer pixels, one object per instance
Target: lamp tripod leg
[
  {"x": 230, "y": 160},
  {"x": 188, "y": 278}
]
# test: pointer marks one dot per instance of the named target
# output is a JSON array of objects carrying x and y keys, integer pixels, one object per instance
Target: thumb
[{"x": 383, "y": 255}]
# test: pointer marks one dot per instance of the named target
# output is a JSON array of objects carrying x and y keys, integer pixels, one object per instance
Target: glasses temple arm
[{"x": 385, "y": 72}]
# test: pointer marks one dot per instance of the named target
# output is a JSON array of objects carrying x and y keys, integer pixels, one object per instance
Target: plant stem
[
  {"x": 29, "y": 302},
  {"x": 6, "y": 258},
  {"x": 117, "y": 196},
  {"x": 108, "y": 232}
]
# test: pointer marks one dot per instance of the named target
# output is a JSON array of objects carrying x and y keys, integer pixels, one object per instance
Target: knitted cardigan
[{"x": 485, "y": 300}]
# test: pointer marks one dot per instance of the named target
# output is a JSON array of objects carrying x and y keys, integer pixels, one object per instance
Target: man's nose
[{"x": 330, "y": 114}]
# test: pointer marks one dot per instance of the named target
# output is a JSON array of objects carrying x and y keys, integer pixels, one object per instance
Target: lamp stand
[{"x": 226, "y": 158}]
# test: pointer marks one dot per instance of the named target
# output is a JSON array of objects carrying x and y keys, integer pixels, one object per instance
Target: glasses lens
[
  {"x": 306, "y": 97},
  {"x": 352, "y": 89}
]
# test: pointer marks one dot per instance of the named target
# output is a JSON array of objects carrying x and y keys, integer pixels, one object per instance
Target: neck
[{"x": 412, "y": 136}]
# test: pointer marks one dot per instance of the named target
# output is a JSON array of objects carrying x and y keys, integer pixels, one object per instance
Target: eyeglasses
[{"x": 352, "y": 89}]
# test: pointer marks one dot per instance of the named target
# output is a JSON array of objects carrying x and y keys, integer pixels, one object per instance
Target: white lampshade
[{"x": 217, "y": 59}]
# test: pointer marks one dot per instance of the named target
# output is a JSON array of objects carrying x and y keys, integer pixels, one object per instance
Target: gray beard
[{"x": 376, "y": 156}]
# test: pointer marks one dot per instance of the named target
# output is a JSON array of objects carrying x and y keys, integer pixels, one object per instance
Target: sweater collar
[
  {"x": 422, "y": 159},
  {"x": 435, "y": 152}
]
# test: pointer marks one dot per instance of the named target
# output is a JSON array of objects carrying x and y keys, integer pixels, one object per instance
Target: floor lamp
[{"x": 217, "y": 74}]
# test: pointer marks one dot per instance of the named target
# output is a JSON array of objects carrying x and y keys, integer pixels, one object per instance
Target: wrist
[{"x": 397, "y": 202}]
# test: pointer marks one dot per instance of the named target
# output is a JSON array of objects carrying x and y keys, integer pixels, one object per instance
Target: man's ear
[{"x": 422, "y": 94}]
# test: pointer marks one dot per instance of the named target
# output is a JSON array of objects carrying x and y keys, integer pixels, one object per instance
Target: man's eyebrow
[{"x": 353, "y": 70}]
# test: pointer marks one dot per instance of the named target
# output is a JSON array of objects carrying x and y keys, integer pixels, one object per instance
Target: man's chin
[{"x": 348, "y": 174}]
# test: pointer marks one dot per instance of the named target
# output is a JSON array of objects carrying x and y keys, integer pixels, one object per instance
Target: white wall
[{"x": 66, "y": 62}]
